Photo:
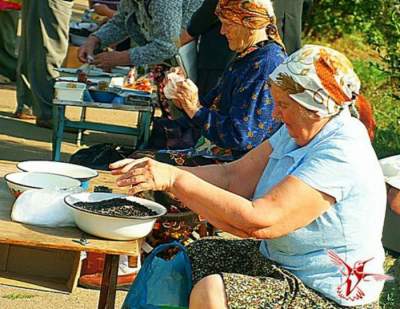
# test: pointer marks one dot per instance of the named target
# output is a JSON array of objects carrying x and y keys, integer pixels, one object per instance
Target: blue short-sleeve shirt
[{"x": 340, "y": 162}]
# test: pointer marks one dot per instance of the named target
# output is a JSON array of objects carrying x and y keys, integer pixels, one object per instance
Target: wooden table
[{"x": 13, "y": 233}]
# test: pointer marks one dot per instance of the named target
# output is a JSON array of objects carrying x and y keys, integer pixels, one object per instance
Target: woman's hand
[
  {"x": 103, "y": 10},
  {"x": 186, "y": 38},
  {"x": 144, "y": 174},
  {"x": 187, "y": 97},
  {"x": 108, "y": 60},
  {"x": 86, "y": 50}
]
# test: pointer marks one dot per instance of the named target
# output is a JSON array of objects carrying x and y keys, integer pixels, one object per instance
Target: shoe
[
  {"x": 24, "y": 113},
  {"x": 48, "y": 124},
  {"x": 25, "y": 116},
  {"x": 93, "y": 281}
]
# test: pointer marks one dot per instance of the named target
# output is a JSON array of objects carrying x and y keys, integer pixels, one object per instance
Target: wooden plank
[
  {"x": 4, "y": 249},
  {"x": 53, "y": 238},
  {"x": 109, "y": 282},
  {"x": 75, "y": 273},
  {"x": 33, "y": 282},
  {"x": 60, "y": 238},
  {"x": 36, "y": 262}
]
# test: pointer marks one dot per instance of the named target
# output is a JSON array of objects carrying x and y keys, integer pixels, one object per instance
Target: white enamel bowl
[
  {"x": 390, "y": 166},
  {"x": 21, "y": 181},
  {"x": 391, "y": 170},
  {"x": 81, "y": 173},
  {"x": 116, "y": 228}
]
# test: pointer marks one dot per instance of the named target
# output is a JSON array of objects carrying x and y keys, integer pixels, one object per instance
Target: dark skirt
[{"x": 250, "y": 279}]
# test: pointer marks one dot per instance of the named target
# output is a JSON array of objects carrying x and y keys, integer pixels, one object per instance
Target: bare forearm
[
  {"x": 215, "y": 174},
  {"x": 217, "y": 205}
]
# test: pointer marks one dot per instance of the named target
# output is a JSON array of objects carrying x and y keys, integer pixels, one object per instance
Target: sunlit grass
[{"x": 15, "y": 296}]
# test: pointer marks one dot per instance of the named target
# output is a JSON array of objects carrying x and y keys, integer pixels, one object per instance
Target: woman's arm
[
  {"x": 113, "y": 31},
  {"x": 394, "y": 199},
  {"x": 230, "y": 176},
  {"x": 166, "y": 30},
  {"x": 288, "y": 206}
]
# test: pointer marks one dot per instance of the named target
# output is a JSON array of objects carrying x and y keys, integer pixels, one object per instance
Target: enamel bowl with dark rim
[
  {"x": 21, "y": 181},
  {"x": 112, "y": 227}
]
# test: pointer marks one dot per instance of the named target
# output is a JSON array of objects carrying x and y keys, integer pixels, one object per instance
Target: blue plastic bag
[{"x": 162, "y": 283}]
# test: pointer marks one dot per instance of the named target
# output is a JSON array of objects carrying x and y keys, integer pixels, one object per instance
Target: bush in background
[{"x": 377, "y": 20}]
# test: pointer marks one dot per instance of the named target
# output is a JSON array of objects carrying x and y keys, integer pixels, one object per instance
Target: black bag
[
  {"x": 100, "y": 156},
  {"x": 173, "y": 134}
]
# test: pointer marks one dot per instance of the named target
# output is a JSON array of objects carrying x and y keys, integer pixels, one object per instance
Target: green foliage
[
  {"x": 386, "y": 107},
  {"x": 377, "y": 20}
]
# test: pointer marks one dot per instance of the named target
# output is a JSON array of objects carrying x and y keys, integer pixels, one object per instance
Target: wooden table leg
[{"x": 109, "y": 282}]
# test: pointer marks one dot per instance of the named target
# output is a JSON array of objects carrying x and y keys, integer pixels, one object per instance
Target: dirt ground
[{"x": 23, "y": 140}]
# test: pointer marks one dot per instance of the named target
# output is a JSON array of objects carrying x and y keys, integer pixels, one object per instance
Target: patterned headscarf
[
  {"x": 318, "y": 78},
  {"x": 252, "y": 14}
]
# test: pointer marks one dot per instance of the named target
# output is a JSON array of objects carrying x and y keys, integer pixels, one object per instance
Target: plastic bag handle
[{"x": 161, "y": 248}]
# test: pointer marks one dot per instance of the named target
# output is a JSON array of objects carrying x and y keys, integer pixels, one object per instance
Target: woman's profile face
[
  {"x": 300, "y": 124},
  {"x": 238, "y": 36}
]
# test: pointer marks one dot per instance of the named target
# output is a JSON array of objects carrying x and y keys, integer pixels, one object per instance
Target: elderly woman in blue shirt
[
  {"x": 154, "y": 25},
  {"x": 309, "y": 201}
]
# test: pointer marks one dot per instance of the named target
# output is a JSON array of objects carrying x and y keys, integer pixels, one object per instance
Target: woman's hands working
[
  {"x": 144, "y": 174},
  {"x": 220, "y": 194},
  {"x": 187, "y": 97},
  {"x": 86, "y": 51},
  {"x": 105, "y": 60}
]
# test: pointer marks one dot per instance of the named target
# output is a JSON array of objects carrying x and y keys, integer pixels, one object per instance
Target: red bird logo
[{"x": 349, "y": 289}]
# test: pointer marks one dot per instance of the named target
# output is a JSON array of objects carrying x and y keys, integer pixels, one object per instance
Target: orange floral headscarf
[
  {"x": 323, "y": 80},
  {"x": 252, "y": 14}
]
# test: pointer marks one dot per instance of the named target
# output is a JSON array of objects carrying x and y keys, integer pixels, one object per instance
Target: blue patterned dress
[{"x": 236, "y": 115}]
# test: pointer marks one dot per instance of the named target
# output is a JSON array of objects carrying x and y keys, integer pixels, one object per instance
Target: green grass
[
  {"x": 15, "y": 296},
  {"x": 386, "y": 106}
]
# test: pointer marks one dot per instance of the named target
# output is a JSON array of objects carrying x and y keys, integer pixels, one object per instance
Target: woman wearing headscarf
[
  {"x": 309, "y": 202},
  {"x": 236, "y": 115},
  {"x": 154, "y": 26},
  {"x": 205, "y": 26}
]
